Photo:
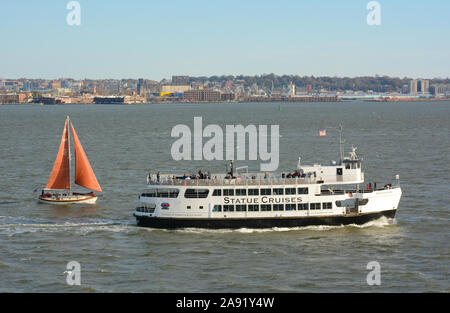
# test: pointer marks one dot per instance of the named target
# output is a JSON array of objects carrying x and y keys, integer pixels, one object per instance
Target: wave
[
  {"x": 381, "y": 222},
  {"x": 13, "y": 226}
]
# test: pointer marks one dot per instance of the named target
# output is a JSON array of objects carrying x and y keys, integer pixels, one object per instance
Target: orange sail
[
  {"x": 60, "y": 176},
  {"x": 84, "y": 175}
]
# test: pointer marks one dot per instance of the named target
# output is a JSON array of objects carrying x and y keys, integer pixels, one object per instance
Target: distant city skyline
[{"x": 158, "y": 39}]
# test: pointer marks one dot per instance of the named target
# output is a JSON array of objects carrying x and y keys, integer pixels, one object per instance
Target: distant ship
[
  {"x": 59, "y": 187},
  {"x": 310, "y": 195}
]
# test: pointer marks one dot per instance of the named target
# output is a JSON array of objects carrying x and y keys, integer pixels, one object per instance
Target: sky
[{"x": 155, "y": 39}]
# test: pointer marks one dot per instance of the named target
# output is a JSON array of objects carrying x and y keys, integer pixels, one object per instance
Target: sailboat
[{"x": 59, "y": 186}]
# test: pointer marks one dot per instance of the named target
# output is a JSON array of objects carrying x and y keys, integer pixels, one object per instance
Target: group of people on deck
[
  {"x": 200, "y": 175},
  {"x": 369, "y": 186},
  {"x": 297, "y": 174},
  {"x": 229, "y": 175}
]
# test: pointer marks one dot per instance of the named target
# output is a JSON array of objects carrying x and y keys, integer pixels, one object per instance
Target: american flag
[{"x": 322, "y": 132}]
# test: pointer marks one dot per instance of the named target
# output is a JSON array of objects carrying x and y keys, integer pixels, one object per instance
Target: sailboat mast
[{"x": 70, "y": 155}]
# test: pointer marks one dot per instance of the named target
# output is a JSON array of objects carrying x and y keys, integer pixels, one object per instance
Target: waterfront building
[
  {"x": 413, "y": 86},
  {"x": 140, "y": 87},
  {"x": 180, "y": 80},
  {"x": 175, "y": 88},
  {"x": 201, "y": 95},
  {"x": 109, "y": 100},
  {"x": 423, "y": 85}
]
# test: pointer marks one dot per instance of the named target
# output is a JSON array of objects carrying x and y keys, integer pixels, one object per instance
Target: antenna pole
[{"x": 340, "y": 143}]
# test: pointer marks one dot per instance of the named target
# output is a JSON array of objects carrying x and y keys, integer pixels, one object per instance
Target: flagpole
[{"x": 341, "y": 151}]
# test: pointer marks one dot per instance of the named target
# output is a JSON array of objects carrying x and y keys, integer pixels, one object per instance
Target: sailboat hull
[{"x": 82, "y": 199}]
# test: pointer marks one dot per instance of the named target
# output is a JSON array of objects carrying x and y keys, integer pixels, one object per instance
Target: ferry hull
[{"x": 235, "y": 223}]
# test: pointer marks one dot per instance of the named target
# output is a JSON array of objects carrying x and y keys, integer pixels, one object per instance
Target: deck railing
[{"x": 245, "y": 181}]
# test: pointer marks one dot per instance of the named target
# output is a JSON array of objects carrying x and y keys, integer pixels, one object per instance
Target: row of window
[
  {"x": 272, "y": 207},
  {"x": 262, "y": 192},
  {"x": 203, "y": 193},
  {"x": 162, "y": 193}
]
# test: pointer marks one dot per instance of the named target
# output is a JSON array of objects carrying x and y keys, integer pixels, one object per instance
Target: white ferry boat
[{"x": 311, "y": 195}]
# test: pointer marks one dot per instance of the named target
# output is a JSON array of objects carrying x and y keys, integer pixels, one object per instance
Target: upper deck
[
  {"x": 319, "y": 175},
  {"x": 348, "y": 171}
]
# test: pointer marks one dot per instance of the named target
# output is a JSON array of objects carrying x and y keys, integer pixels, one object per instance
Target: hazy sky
[{"x": 156, "y": 39}]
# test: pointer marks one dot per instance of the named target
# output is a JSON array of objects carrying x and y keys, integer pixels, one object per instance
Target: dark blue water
[{"x": 124, "y": 142}]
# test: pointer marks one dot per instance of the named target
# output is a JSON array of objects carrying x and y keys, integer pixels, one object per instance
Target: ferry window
[
  {"x": 290, "y": 191},
  {"x": 278, "y": 191},
  {"x": 196, "y": 193},
  {"x": 314, "y": 206},
  {"x": 228, "y": 208},
  {"x": 327, "y": 205},
  {"x": 217, "y": 192},
  {"x": 188, "y": 207},
  {"x": 162, "y": 193},
  {"x": 217, "y": 208},
  {"x": 278, "y": 207},
  {"x": 167, "y": 193},
  {"x": 302, "y": 206},
  {"x": 150, "y": 194},
  {"x": 363, "y": 201},
  {"x": 266, "y": 192},
  {"x": 241, "y": 208},
  {"x": 266, "y": 207},
  {"x": 241, "y": 192},
  {"x": 290, "y": 207},
  {"x": 339, "y": 171},
  {"x": 253, "y": 192},
  {"x": 200, "y": 207},
  {"x": 303, "y": 191},
  {"x": 228, "y": 192},
  {"x": 253, "y": 207}
]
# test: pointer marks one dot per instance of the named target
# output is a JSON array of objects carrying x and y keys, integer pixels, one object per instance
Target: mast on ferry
[{"x": 340, "y": 143}]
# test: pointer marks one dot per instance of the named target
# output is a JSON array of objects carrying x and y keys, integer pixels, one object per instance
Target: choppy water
[{"x": 124, "y": 142}]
